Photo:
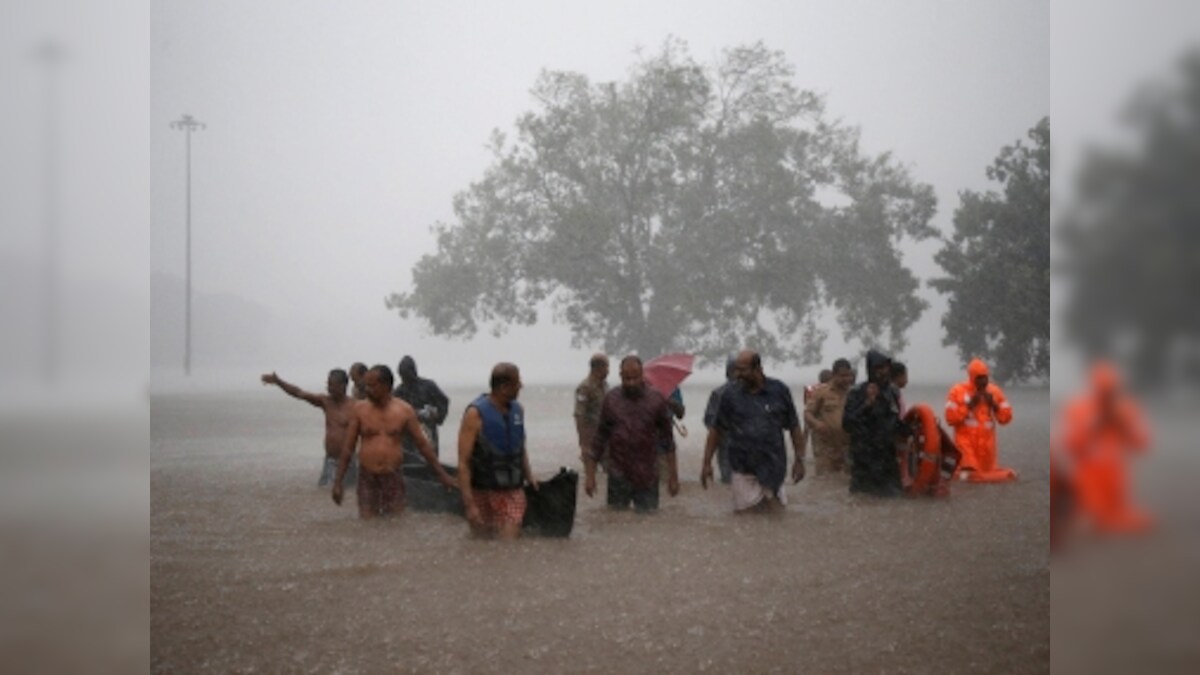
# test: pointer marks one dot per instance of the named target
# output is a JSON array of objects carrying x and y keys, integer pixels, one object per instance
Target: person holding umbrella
[{"x": 754, "y": 413}]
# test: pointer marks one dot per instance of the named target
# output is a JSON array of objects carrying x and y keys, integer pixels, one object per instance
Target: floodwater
[{"x": 254, "y": 569}]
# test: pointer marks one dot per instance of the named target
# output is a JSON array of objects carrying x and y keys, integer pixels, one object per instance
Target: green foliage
[
  {"x": 1130, "y": 241},
  {"x": 998, "y": 265},
  {"x": 688, "y": 208}
]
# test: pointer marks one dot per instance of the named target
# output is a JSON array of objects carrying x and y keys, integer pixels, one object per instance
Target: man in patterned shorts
[
  {"x": 493, "y": 466},
  {"x": 381, "y": 422}
]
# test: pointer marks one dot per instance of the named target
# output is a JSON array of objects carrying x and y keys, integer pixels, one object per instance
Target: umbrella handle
[{"x": 680, "y": 428}]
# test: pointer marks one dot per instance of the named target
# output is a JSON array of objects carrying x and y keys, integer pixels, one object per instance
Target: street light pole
[
  {"x": 50, "y": 54},
  {"x": 188, "y": 125}
]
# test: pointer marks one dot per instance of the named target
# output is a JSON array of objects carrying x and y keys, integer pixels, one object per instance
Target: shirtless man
[
  {"x": 381, "y": 421},
  {"x": 336, "y": 406}
]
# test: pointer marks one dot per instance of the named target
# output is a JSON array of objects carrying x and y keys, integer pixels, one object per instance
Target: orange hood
[{"x": 976, "y": 368}]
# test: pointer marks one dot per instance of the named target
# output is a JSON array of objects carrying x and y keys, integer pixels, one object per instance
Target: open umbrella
[{"x": 666, "y": 372}]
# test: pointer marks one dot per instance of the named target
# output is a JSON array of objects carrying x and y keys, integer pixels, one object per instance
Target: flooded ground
[{"x": 254, "y": 569}]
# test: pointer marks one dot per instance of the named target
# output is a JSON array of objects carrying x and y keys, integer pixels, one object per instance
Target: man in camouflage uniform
[
  {"x": 823, "y": 415},
  {"x": 589, "y": 395}
]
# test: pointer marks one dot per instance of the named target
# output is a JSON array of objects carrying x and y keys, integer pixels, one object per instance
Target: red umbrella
[{"x": 666, "y": 372}]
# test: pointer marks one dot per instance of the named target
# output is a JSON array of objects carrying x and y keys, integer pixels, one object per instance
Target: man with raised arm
[{"x": 336, "y": 406}]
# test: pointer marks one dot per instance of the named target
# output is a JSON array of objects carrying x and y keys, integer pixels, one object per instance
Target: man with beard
[
  {"x": 381, "y": 422},
  {"x": 635, "y": 424},
  {"x": 493, "y": 465},
  {"x": 872, "y": 418},
  {"x": 754, "y": 414}
]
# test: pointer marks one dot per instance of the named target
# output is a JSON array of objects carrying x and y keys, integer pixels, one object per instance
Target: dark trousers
[{"x": 621, "y": 493}]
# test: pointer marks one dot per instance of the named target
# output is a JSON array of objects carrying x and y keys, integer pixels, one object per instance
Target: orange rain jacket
[{"x": 975, "y": 428}]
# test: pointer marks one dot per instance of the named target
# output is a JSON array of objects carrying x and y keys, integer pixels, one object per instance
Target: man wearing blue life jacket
[{"x": 493, "y": 466}]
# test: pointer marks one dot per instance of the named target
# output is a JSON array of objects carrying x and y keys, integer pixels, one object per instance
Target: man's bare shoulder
[{"x": 401, "y": 406}]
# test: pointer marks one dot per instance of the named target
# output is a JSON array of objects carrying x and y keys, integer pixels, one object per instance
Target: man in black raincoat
[
  {"x": 872, "y": 418},
  {"x": 425, "y": 397}
]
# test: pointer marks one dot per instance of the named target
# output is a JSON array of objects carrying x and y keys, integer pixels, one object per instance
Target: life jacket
[
  {"x": 497, "y": 459},
  {"x": 931, "y": 458}
]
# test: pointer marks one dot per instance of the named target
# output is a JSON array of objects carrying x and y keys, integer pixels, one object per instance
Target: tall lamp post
[
  {"x": 188, "y": 125},
  {"x": 50, "y": 54}
]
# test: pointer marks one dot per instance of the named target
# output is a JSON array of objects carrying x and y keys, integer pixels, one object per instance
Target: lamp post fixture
[{"x": 188, "y": 124}]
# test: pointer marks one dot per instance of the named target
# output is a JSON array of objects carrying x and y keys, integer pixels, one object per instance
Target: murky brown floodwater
[{"x": 254, "y": 569}]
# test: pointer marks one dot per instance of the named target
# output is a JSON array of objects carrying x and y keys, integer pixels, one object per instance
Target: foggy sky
[{"x": 338, "y": 133}]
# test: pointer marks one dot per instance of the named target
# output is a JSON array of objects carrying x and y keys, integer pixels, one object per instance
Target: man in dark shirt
[
  {"x": 710, "y": 420},
  {"x": 872, "y": 418},
  {"x": 754, "y": 413},
  {"x": 634, "y": 423},
  {"x": 426, "y": 398}
]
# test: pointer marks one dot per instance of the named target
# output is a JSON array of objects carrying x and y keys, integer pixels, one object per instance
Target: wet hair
[
  {"x": 899, "y": 368},
  {"x": 730, "y": 364},
  {"x": 841, "y": 364},
  {"x": 502, "y": 374},
  {"x": 825, "y": 376},
  {"x": 385, "y": 375},
  {"x": 339, "y": 375},
  {"x": 756, "y": 361},
  {"x": 358, "y": 367},
  {"x": 597, "y": 362},
  {"x": 632, "y": 358}
]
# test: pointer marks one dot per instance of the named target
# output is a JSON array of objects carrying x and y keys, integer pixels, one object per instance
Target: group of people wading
[{"x": 627, "y": 432}]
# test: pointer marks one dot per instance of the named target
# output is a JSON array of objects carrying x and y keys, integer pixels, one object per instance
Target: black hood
[{"x": 874, "y": 360}]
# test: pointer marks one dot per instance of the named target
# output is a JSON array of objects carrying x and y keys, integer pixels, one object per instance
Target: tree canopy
[
  {"x": 1130, "y": 239},
  {"x": 997, "y": 264},
  {"x": 685, "y": 208}
]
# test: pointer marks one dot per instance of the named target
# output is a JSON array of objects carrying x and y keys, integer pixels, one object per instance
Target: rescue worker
[
  {"x": 1100, "y": 428},
  {"x": 973, "y": 409}
]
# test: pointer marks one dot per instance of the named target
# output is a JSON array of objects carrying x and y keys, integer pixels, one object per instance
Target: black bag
[{"x": 550, "y": 510}]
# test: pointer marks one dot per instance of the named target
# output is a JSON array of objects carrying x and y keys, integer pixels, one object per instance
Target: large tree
[
  {"x": 1131, "y": 238},
  {"x": 997, "y": 264},
  {"x": 686, "y": 208}
]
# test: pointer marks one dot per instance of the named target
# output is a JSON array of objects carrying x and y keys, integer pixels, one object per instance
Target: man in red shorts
[
  {"x": 381, "y": 421},
  {"x": 493, "y": 466}
]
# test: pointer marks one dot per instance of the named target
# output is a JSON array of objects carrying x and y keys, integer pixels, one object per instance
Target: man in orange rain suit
[
  {"x": 1100, "y": 428},
  {"x": 974, "y": 408}
]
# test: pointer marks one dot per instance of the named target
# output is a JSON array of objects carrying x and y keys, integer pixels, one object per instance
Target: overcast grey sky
[{"x": 339, "y": 132}]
